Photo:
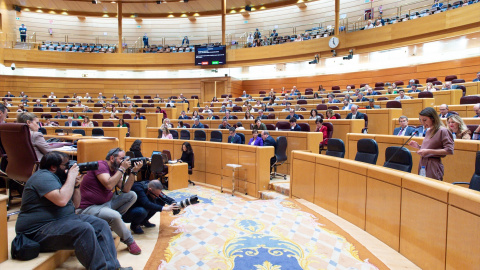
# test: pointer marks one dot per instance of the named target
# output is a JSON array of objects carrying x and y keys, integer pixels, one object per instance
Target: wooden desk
[
  {"x": 3, "y": 229},
  {"x": 177, "y": 176}
]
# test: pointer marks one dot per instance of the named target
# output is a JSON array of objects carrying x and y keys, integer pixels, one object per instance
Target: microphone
[{"x": 398, "y": 149}]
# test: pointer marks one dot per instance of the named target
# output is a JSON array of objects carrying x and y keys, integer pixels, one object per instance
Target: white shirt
[{"x": 354, "y": 115}]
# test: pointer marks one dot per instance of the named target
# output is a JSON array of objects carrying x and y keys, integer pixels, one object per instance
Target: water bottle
[{"x": 422, "y": 171}]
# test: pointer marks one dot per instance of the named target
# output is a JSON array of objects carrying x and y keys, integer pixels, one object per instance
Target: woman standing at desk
[
  {"x": 438, "y": 143},
  {"x": 187, "y": 154},
  {"x": 39, "y": 144},
  {"x": 86, "y": 122}
]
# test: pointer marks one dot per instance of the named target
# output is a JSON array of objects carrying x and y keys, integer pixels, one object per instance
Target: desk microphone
[{"x": 398, "y": 149}]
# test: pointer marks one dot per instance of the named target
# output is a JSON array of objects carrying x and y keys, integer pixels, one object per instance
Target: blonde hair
[{"x": 457, "y": 119}]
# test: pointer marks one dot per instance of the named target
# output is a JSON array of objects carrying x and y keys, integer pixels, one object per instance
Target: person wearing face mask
[
  {"x": 39, "y": 144},
  {"x": 47, "y": 216},
  {"x": 101, "y": 199},
  {"x": 150, "y": 200}
]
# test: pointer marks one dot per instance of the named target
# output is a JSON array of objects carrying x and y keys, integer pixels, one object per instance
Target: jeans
[
  {"x": 89, "y": 236},
  {"x": 112, "y": 212},
  {"x": 138, "y": 215},
  {"x": 23, "y": 38}
]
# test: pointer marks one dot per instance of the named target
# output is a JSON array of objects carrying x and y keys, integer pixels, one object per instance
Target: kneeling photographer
[
  {"x": 47, "y": 216},
  {"x": 150, "y": 200}
]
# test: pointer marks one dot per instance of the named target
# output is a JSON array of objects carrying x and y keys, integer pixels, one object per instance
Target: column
[
  {"x": 120, "y": 32},
  {"x": 224, "y": 12}
]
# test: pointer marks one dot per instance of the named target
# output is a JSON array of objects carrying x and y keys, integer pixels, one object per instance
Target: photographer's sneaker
[
  {"x": 147, "y": 224},
  {"x": 137, "y": 229},
  {"x": 134, "y": 249}
]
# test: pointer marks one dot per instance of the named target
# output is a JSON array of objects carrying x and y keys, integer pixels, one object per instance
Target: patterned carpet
[{"x": 225, "y": 232}]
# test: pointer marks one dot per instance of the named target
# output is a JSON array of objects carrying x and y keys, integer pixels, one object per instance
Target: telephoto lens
[
  {"x": 84, "y": 167},
  {"x": 188, "y": 201}
]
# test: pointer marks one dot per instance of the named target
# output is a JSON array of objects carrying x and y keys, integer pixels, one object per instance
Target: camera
[
  {"x": 133, "y": 160},
  {"x": 84, "y": 167},
  {"x": 12, "y": 66},
  {"x": 188, "y": 201}
]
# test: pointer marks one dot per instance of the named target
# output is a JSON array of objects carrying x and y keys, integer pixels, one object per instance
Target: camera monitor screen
[{"x": 210, "y": 55}]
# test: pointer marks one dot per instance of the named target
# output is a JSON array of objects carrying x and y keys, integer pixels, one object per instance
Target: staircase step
[
  {"x": 281, "y": 187},
  {"x": 271, "y": 195}
]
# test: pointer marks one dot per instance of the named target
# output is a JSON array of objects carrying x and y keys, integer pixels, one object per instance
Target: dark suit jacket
[
  {"x": 358, "y": 116},
  {"x": 229, "y": 117},
  {"x": 181, "y": 117},
  {"x": 408, "y": 132},
  {"x": 235, "y": 139},
  {"x": 74, "y": 124},
  {"x": 200, "y": 125},
  {"x": 295, "y": 115},
  {"x": 264, "y": 117},
  {"x": 363, "y": 99},
  {"x": 269, "y": 141},
  {"x": 448, "y": 114},
  {"x": 37, "y": 105},
  {"x": 296, "y": 128},
  {"x": 419, "y": 131}
]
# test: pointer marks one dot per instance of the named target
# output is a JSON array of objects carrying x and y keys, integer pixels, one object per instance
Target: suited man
[
  {"x": 444, "y": 113},
  {"x": 224, "y": 125},
  {"x": 421, "y": 131},
  {"x": 269, "y": 141},
  {"x": 37, "y": 103},
  {"x": 183, "y": 116},
  {"x": 197, "y": 124},
  {"x": 355, "y": 114},
  {"x": 227, "y": 115},
  {"x": 86, "y": 109},
  {"x": 59, "y": 115},
  {"x": 293, "y": 125},
  {"x": 9, "y": 94},
  {"x": 361, "y": 97},
  {"x": 332, "y": 99},
  {"x": 71, "y": 123},
  {"x": 245, "y": 94},
  {"x": 404, "y": 129},
  {"x": 292, "y": 115},
  {"x": 234, "y": 137},
  {"x": 261, "y": 115},
  {"x": 414, "y": 89}
]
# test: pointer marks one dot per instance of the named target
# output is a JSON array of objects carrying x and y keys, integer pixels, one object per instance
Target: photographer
[
  {"x": 47, "y": 215},
  {"x": 150, "y": 200},
  {"x": 99, "y": 198}
]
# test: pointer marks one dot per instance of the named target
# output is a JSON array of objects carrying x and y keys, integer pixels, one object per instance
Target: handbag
[{"x": 24, "y": 248}]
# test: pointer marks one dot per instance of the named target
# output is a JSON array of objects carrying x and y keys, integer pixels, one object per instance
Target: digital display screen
[{"x": 210, "y": 55}]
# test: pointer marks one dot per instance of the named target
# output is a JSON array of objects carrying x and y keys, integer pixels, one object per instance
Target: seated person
[
  {"x": 287, "y": 107},
  {"x": 240, "y": 126},
  {"x": 98, "y": 198},
  {"x": 361, "y": 98},
  {"x": 206, "y": 109},
  {"x": 444, "y": 113},
  {"x": 458, "y": 128},
  {"x": 355, "y": 114},
  {"x": 39, "y": 144},
  {"x": 323, "y": 129},
  {"x": 210, "y": 116},
  {"x": 261, "y": 115},
  {"x": 9, "y": 94},
  {"x": 404, "y": 129},
  {"x": 370, "y": 92},
  {"x": 47, "y": 216},
  {"x": 234, "y": 137},
  {"x": 71, "y": 123},
  {"x": 477, "y": 79},
  {"x": 37, "y": 103},
  {"x": 230, "y": 104},
  {"x": 256, "y": 140},
  {"x": 183, "y": 116},
  {"x": 292, "y": 115},
  {"x": 227, "y": 115},
  {"x": 51, "y": 104},
  {"x": 223, "y": 109},
  {"x": 346, "y": 104},
  {"x": 181, "y": 125},
  {"x": 224, "y": 125},
  {"x": 197, "y": 123},
  {"x": 332, "y": 99},
  {"x": 402, "y": 95},
  {"x": 293, "y": 125},
  {"x": 245, "y": 94},
  {"x": 259, "y": 125},
  {"x": 371, "y": 104},
  {"x": 86, "y": 110},
  {"x": 447, "y": 86},
  {"x": 67, "y": 109},
  {"x": 150, "y": 200},
  {"x": 166, "y": 124},
  {"x": 414, "y": 89},
  {"x": 269, "y": 141},
  {"x": 138, "y": 116}
]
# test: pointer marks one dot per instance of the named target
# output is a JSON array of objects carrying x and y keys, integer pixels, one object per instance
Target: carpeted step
[
  {"x": 271, "y": 195},
  {"x": 281, "y": 187}
]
